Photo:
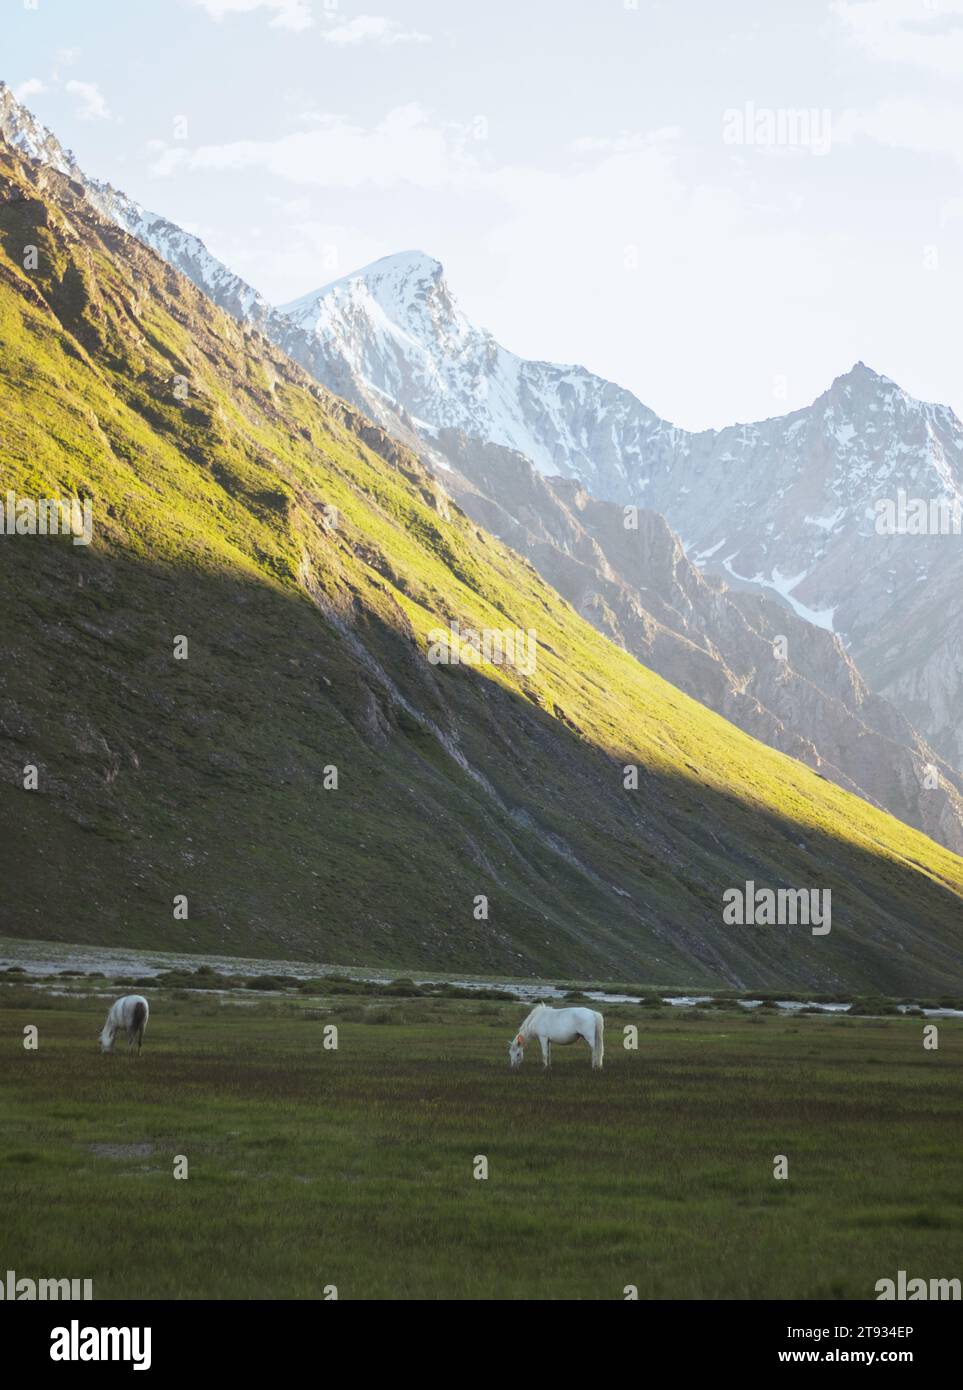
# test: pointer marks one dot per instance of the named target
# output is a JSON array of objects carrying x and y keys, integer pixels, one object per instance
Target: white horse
[
  {"x": 559, "y": 1026},
  {"x": 130, "y": 1014}
]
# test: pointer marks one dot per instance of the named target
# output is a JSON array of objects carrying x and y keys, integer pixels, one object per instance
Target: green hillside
[{"x": 307, "y": 557}]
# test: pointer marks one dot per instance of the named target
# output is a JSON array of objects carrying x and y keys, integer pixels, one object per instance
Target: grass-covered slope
[{"x": 306, "y": 557}]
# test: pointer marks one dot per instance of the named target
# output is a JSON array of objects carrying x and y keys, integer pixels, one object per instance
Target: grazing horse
[
  {"x": 559, "y": 1026},
  {"x": 130, "y": 1013}
]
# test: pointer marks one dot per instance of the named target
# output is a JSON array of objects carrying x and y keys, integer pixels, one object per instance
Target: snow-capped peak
[
  {"x": 780, "y": 504},
  {"x": 21, "y": 129},
  {"x": 860, "y": 372},
  {"x": 404, "y": 295},
  {"x": 395, "y": 326},
  {"x": 391, "y": 281}
]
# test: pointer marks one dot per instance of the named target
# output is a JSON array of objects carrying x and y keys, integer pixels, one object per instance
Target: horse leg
[{"x": 545, "y": 1050}]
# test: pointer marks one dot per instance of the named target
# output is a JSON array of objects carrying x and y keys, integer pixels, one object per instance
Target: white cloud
[
  {"x": 927, "y": 127},
  {"x": 403, "y": 148},
  {"x": 91, "y": 104},
  {"x": 31, "y": 88},
  {"x": 168, "y": 158},
  {"x": 648, "y": 239},
  {"x": 907, "y": 32},
  {"x": 375, "y": 28},
  {"x": 288, "y": 14},
  {"x": 299, "y": 15},
  {"x": 630, "y": 140},
  {"x": 927, "y": 37}
]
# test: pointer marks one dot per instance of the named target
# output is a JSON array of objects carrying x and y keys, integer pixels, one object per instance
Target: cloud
[
  {"x": 288, "y": 14},
  {"x": 914, "y": 35},
  {"x": 31, "y": 88},
  {"x": 629, "y": 140},
  {"x": 403, "y": 148},
  {"x": 644, "y": 236},
  {"x": 906, "y": 32},
  {"x": 167, "y": 158},
  {"x": 923, "y": 126},
  {"x": 92, "y": 105},
  {"x": 299, "y": 15},
  {"x": 372, "y": 28}
]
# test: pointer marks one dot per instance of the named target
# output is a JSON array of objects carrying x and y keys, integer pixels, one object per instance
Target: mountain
[
  {"x": 395, "y": 333},
  {"x": 21, "y": 130},
  {"x": 187, "y": 253},
  {"x": 392, "y": 340},
  {"x": 779, "y": 678},
  {"x": 395, "y": 329},
  {"x": 303, "y": 773},
  {"x": 786, "y": 506}
]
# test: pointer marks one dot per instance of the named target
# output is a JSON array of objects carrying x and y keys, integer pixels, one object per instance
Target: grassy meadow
[{"x": 311, "y": 1167}]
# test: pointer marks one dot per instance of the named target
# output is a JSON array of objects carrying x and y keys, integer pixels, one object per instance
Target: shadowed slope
[{"x": 307, "y": 557}]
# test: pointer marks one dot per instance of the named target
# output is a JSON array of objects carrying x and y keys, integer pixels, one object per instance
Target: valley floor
[{"x": 310, "y": 1167}]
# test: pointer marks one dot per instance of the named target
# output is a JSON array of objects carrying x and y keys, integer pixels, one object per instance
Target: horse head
[{"x": 516, "y": 1050}]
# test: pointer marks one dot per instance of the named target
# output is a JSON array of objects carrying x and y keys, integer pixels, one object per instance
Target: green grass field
[{"x": 354, "y": 1167}]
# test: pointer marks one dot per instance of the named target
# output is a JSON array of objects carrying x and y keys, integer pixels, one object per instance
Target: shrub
[{"x": 872, "y": 1004}]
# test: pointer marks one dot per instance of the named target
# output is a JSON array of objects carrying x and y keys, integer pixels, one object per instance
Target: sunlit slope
[{"x": 306, "y": 558}]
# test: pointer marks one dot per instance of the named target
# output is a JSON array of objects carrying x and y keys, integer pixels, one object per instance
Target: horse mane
[{"x": 527, "y": 1020}]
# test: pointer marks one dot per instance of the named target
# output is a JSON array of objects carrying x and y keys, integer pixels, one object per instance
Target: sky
[{"x": 721, "y": 206}]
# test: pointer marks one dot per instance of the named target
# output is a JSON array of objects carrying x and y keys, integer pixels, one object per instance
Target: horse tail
[
  {"x": 598, "y": 1051},
  {"x": 138, "y": 1021}
]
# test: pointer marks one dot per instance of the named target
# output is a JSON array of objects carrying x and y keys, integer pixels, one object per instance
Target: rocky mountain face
[
  {"x": 785, "y": 507},
  {"x": 781, "y": 679},
  {"x": 229, "y": 696},
  {"x": 789, "y": 506},
  {"x": 187, "y": 253}
]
